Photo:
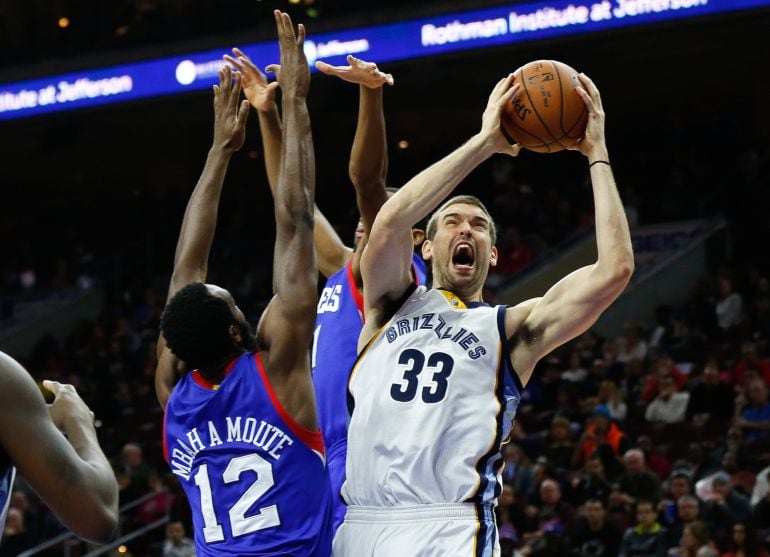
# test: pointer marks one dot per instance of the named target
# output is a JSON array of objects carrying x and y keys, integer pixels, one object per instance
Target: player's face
[
  {"x": 461, "y": 251},
  {"x": 248, "y": 338}
]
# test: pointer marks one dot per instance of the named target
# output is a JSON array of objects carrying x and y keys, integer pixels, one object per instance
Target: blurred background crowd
[{"x": 650, "y": 437}]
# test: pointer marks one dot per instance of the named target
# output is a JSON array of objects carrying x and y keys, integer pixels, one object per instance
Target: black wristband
[{"x": 599, "y": 162}]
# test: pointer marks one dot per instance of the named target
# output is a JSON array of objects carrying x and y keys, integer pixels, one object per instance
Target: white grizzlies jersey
[{"x": 433, "y": 396}]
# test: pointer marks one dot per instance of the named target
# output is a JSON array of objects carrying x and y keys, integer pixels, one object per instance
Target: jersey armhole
[
  {"x": 506, "y": 349},
  {"x": 358, "y": 296},
  {"x": 312, "y": 439}
]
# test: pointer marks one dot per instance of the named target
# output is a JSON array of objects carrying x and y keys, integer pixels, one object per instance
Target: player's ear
[
  {"x": 418, "y": 236},
  {"x": 427, "y": 250},
  {"x": 235, "y": 332},
  {"x": 493, "y": 257}
]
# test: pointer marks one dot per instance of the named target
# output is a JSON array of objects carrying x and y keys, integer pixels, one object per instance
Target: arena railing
[{"x": 67, "y": 537}]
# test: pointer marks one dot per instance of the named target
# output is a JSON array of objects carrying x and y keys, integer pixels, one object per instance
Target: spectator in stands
[
  {"x": 560, "y": 447},
  {"x": 711, "y": 399},
  {"x": 551, "y": 512},
  {"x": 678, "y": 485},
  {"x": 750, "y": 361},
  {"x": 177, "y": 544},
  {"x": 638, "y": 482},
  {"x": 654, "y": 457},
  {"x": 576, "y": 372},
  {"x": 669, "y": 407},
  {"x": 592, "y": 483},
  {"x": 761, "y": 487},
  {"x": 610, "y": 396},
  {"x": 761, "y": 509},
  {"x": 15, "y": 536},
  {"x": 646, "y": 539},
  {"x": 726, "y": 506},
  {"x": 20, "y": 500},
  {"x": 754, "y": 417},
  {"x": 594, "y": 536},
  {"x": 514, "y": 254},
  {"x": 517, "y": 470},
  {"x": 687, "y": 512},
  {"x": 695, "y": 536},
  {"x": 600, "y": 431},
  {"x": 744, "y": 542},
  {"x": 138, "y": 473},
  {"x": 663, "y": 366},
  {"x": 631, "y": 344},
  {"x": 729, "y": 307}
]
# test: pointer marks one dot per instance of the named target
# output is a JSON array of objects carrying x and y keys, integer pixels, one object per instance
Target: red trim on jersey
[
  {"x": 205, "y": 383},
  {"x": 358, "y": 297},
  {"x": 165, "y": 441},
  {"x": 313, "y": 439}
]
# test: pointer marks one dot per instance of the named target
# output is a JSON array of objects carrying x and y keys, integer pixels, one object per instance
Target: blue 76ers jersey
[
  {"x": 339, "y": 320},
  {"x": 256, "y": 480}
]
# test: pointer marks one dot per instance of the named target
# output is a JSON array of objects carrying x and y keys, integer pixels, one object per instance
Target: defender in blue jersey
[
  {"x": 241, "y": 430},
  {"x": 340, "y": 309},
  {"x": 56, "y": 451}
]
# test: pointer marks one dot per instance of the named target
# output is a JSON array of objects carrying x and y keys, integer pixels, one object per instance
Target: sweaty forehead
[{"x": 465, "y": 210}]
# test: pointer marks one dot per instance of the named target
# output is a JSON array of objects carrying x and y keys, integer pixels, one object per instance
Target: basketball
[{"x": 548, "y": 114}]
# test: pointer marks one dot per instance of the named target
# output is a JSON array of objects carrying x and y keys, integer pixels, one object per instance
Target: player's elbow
[
  {"x": 98, "y": 526},
  {"x": 366, "y": 176}
]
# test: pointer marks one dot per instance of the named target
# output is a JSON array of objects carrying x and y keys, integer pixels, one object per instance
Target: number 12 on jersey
[{"x": 240, "y": 524}]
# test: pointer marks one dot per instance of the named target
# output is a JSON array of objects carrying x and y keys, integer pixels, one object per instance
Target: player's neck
[
  {"x": 217, "y": 372},
  {"x": 466, "y": 297}
]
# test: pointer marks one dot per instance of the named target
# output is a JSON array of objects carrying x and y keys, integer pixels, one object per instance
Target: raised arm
[
  {"x": 70, "y": 474},
  {"x": 332, "y": 253},
  {"x": 573, "y": 304},
  {"x": 286, "y": 328},
  {"x": 387, "y": 259},
  {"x": 200, "y": 217},
  {"x": 368, "y": 166}
]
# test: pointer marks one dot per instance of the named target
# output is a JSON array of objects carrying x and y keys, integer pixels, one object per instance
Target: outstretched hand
[
  {"x": 359, "y": 71},
  {"x": 230, "y": 115},
  {"x": 67, "y": 405},
  {"x": 593, "y": 139},
  {"x": 259, "y": 92},
  {"x": 501, "y": 95},
  {"x": 293, "y": 73}
]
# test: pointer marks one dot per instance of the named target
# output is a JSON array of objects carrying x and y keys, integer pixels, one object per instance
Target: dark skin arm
[
  {"x": 200, "y": 218},
  {"x": 286, "y": 328},
  {"x": 332, "y": 253},
  {"x": 368, "y": 166},
  {"x": 70, "y": 474}
]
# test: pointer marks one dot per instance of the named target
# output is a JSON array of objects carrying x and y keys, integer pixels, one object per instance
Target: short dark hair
[
  {"x": 430, "y": 232},
  {"x": 196, "y": 326}
]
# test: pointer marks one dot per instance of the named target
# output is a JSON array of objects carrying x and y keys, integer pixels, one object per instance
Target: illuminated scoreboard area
[{"x": 404, "y": 40}]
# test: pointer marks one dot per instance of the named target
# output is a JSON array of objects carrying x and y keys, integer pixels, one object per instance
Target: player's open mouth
[{"x": 463, "y": 256}]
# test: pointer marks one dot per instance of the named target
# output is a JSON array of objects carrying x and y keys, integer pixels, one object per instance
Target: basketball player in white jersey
[{"x": 439, "y": 373}]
